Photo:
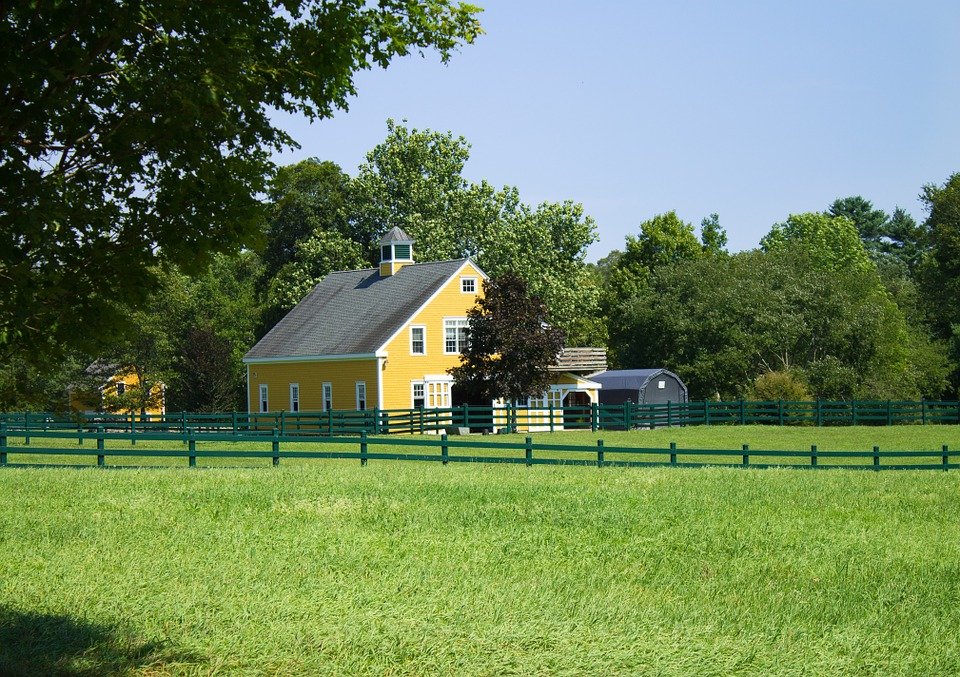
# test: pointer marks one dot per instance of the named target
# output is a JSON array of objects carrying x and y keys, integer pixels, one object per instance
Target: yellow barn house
[{"x": 374, "y": 338}]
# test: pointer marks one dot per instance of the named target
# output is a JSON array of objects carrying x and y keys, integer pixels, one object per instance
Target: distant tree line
[{"x": 850, "y": 302}]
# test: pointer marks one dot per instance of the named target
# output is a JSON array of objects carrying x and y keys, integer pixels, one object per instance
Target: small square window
[
  {"x": 418, "y": 396},
  {"x": 468, "y": 285},
  {"x": 661, "y": 385}
]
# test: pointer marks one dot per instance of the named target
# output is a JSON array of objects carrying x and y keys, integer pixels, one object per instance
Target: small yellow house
[
  {"x": 374, "y": 338},
  {"x": 113, "y": 388}
]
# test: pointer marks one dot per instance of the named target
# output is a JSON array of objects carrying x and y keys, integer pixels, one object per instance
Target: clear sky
[{"x": 753, "y": 110}]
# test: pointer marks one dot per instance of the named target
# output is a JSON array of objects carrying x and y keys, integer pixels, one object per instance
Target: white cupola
[{"x": 396, "y": 251}]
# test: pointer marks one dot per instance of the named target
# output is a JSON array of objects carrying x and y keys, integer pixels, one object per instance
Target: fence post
[
  {"x": 876, "y": 458},
  {"x": 183, "y": 421},
  {"x": 3, "y": 444},
  {"x": 79, "y": 434},
  {"x": 813, "y": 455},
  {"x": 819, "y": 413},
  {"x": 594, "y": 416},
  {"x": 363, "y": 448},
  {"x": 853, "y": 412},
  {"x": 26, "y": 428},
  {"x": 626, "y": 415},
  {"x": 234, "y": 420},
  {"x": 283, "y": 421},
  {"x": 550, "y": 414},
  {"x": 673, "y": 453},
  {"x": 133, "y": 429},
  {"x": 669, "y": 414},
  {"x": 706, "y": 412},
  {"x": 746, "y": 456},
  {"x": 599, "y": 453},
  {"x": 945, "y": 459},
  {"x": 421, "y": 420},
  {"x": 743, "y": 412},
  {"x": 923, "y": 412},
  {"x": 101, "y": 457},
  {"x": 376, "y": 420},
  {"x": 444, "y": 449},
  {"x": 528, "y": 451},
  {"x": 193, "y": 451},
  {"x": 276, "y": 447},
  {"x": 466, "y": 415}
]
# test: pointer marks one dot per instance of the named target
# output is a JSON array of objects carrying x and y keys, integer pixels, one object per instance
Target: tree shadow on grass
[{"x": 46, "y": 644}]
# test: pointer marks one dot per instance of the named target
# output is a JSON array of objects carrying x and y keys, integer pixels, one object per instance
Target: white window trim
[
  {"x": 327, "y": 404},
  {"x": 356, "y": 389},
  {"x": 413, "y": 394},
  {"x": 465, "y": 279},
  {"x": 453, "y": 319},
  {"x": 297, "y": 400},
  {"x": 424, "y": 328},
  {"x": 264, "y": 393}
]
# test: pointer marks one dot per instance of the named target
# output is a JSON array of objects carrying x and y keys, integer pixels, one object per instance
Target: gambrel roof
[{"x": 354, "y": 312}]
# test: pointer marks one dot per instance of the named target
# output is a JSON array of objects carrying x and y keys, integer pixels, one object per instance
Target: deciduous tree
[
  {"x": 511, "y": 344},
  {"x": 133, "y": 135}
]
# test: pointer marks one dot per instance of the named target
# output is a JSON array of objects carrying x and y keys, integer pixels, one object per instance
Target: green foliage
[
  {"x": 313, "y": 257},
  {"x": 414, "y": 180},
  {"x": 712, "y": 235},
  {"x": 783, "y": 385},
  {"x": 140, "y": 137},
  {"x": 511, "y": 346},
  {"x": 719, "y": 322},
  {"x": 305, "y": 200},
  {"x": 829, "y": 242}
]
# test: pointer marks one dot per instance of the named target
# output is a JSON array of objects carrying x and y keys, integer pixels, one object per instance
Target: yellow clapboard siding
[
  {"x": 402, "y": 368},
  {"x": 311, "y": 375}
]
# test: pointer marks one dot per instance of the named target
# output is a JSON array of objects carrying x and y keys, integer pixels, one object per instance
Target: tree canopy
[
  {"x": 134, "y": 137},
  {"x": 511, "y": 346}
]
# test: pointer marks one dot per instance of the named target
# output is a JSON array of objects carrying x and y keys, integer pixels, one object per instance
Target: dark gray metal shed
[{"x": 640, "y": 386}]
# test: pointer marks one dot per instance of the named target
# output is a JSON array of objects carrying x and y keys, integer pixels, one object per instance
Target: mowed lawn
[{"x": 326, "y": 567}]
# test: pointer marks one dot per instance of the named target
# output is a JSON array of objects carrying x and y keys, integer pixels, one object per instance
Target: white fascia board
[
  {"x": 312, "y": 358},
  {"x": 581, "y": 382},
  {"x": 382, "y": 349}
]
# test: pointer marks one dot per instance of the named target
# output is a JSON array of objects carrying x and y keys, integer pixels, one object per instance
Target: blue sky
[{"x": 753, "y": 110}]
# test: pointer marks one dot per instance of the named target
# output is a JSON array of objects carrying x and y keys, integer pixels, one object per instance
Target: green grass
[
  {"x": 325, "y": 567},
  {"x": 759, "y": 438}
]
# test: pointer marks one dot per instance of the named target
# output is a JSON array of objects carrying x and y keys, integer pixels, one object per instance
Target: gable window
[
  {"x": 455, "y": 335},
  {"x": 468, "y": 285},
  {"x": 419, "y": 398},
  {"x": 294, "y": 397},
  {"x": 361, "y": 396},
  {"x": 264, "y": 402},
  {"x": 418, "y": 340},
  {"x": 327, "y": 396}
]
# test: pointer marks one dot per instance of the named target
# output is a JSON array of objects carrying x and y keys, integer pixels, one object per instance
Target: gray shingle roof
[
  {"x": 353, "y": 312},
  {"x": 395, "y": 234}
]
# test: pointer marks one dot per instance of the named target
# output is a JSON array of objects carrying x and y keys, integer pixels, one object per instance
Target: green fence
[
  {"x": 478, "y": 418},
  {"x": 274, "y": 447}
]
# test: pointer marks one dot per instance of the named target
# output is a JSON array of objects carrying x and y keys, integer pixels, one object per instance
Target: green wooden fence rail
[
  {"x": 595, "y": 417},
  {"x": 443, "y": 449}
]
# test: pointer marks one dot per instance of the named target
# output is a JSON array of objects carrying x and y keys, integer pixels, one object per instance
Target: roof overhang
[{"x": 313, "y": 358}]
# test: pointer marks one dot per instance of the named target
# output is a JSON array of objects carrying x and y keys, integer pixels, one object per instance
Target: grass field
[
  {"x": 776, "y": 438},
  {"x": 325, "y": 567}
]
